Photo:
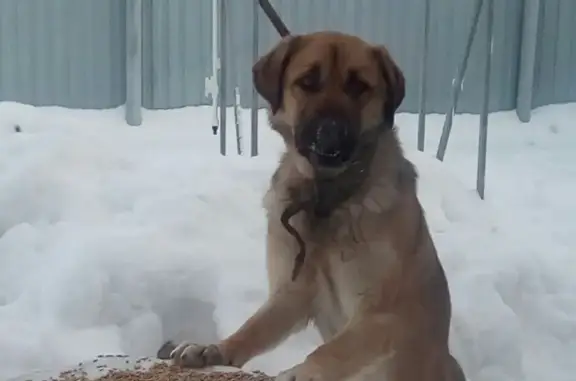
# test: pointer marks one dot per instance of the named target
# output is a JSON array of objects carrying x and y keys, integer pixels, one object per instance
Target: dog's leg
[
  {"x": 286, "y": 310},
  {"x": 362, "y": 345}
]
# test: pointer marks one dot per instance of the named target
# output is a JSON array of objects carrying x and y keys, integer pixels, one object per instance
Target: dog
[{"x": 371, "y": 283}]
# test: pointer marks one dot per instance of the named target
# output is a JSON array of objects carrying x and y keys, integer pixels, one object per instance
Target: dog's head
[{"x": 326, "y": 90}]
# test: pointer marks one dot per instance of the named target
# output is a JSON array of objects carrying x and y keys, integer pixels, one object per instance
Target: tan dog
[{"x": 371, "y": 282}]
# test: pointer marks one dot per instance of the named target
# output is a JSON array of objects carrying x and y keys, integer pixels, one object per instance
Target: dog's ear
[
  {"x": 395, "y": 83},
  {"x": 268, "y": 72}
]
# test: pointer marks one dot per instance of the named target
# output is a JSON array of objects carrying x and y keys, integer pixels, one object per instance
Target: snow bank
[{"x": 114, "y": 239}]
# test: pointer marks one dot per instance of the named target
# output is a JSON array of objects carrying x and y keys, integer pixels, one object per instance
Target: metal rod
[
  {"x": 212, "y": 83},
  {"x": 239, "y": 140},
  {"x": 133, "y": 106},
  {"x": 457, "y": 84},
  {"x": 423, "y": 78},
  {"x": 222, "y": 83},
  {"x": 527, "y": 60},
  {"x": 254, "y": 106},
  {"x": 483, "y": 135},
  {"x": 275, "y": 19}
]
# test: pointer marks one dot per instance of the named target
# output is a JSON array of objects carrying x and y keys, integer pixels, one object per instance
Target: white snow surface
[{"x": 115, "y": 238}]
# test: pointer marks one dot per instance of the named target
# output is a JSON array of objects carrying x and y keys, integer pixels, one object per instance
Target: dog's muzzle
[{"x": 328, "y": 141}]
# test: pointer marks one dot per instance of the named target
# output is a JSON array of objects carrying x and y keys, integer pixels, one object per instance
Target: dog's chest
[{"x": 350, "y": 274}]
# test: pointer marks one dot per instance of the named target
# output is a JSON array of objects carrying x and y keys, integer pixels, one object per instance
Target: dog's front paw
[
  {"x": 302, "y": 372},
  {"x": 190, "y": 355}
]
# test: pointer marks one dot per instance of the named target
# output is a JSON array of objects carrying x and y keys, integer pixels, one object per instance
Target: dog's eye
[
  {"x": 310, "y": 82},
  {"x": 355, "y": 86}
]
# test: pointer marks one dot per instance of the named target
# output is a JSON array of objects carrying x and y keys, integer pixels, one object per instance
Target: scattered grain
[{"x": 164, "y": 372}]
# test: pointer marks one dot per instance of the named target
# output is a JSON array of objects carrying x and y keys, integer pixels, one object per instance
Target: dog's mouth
[
  {"x": 325, "y": 145},
  {"x": 328, "y": 143},
  {"x": 332, "y": 157}
]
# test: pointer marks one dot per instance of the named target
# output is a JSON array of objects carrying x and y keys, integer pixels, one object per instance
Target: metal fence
[
  {"x": 169, "y": 54},
  {"x": 95, "y": 53},
  {"x": 165, "y": 54}
]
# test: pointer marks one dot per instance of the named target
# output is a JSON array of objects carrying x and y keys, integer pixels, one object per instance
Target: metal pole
[
  {"x": 527, "y": 60},
  {"x": 133, "y": 106},
  {"x": 483, "y": 136},
  {"x": 457, "y": 84},
  {"x": 239, "y": 140},
  {"x": 212, "y": 83},
  {"x": 222, "y": 85},
  {"x": 254, "y": 107},
  {"x": 423, "y": 78}
]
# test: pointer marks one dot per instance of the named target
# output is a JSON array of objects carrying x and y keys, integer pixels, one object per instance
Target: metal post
[
  {"x": 222, "y": 85},
  {"x": 457, "y": 84},
  {"x": 423, "y": 78},
  {"x": 483, "y": 136},
  {"x": 527, "y": 60},
  {"x": 254, "y": 106},
  {"x": 239, "y": 140},
  {"x": 133, "y": 106},
  {"x": 212, "y": 83}
]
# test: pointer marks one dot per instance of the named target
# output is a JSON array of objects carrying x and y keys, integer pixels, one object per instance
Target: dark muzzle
[{"x": 328, "y": 141}]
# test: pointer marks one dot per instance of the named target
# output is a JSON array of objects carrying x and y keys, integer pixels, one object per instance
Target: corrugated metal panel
[
  {"x": 177, "y": 52},
  {"x": 399, "y": 25},
  {"x": 62, "y": 52},
  {"x": 72, "y": 52},
  {"x": 555, "y": 72}
]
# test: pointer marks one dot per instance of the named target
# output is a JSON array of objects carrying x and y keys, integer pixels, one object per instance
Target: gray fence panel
[
  {"x": 177, "y": 52},
  {"x": 72, "y": 52},
  {"x": 63, "y": 52},
  {"x": 398, "y": 24},
  {"x": 555, "y": 72}
]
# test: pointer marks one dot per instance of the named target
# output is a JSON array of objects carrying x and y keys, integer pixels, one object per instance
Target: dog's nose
[{"x": 331, "y": 136}]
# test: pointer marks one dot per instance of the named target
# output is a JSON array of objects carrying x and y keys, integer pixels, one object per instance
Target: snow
[{"x": 116, "y": 238}]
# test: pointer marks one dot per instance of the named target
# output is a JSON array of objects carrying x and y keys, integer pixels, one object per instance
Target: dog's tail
[{"x": 275, "y": 19}]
